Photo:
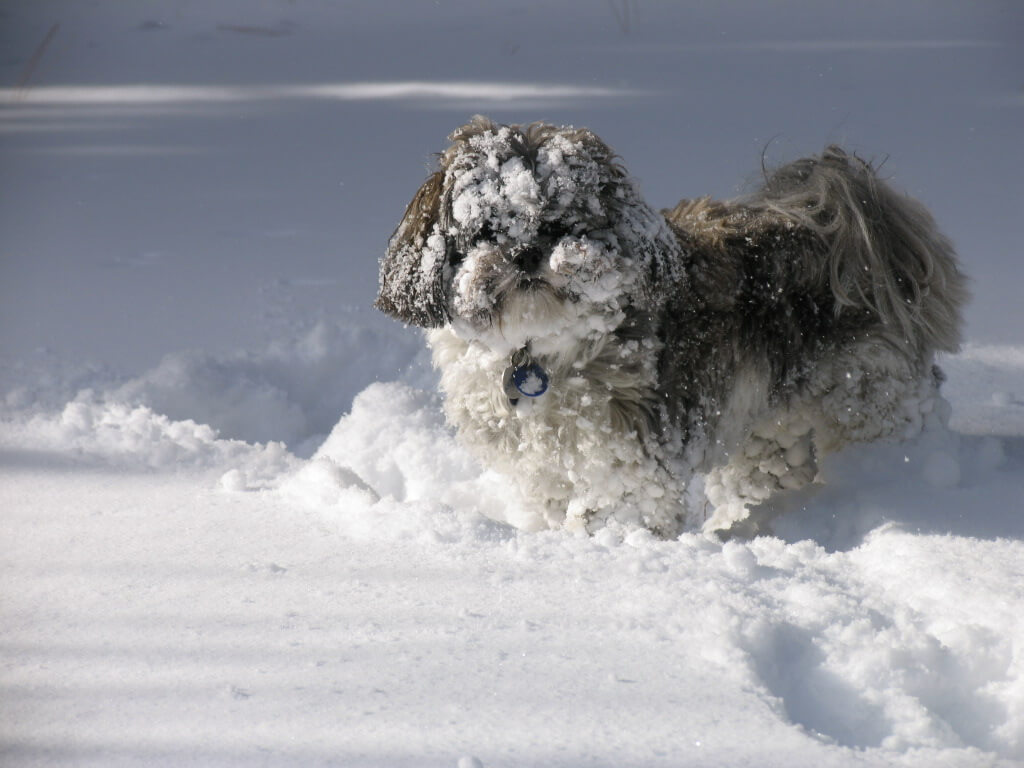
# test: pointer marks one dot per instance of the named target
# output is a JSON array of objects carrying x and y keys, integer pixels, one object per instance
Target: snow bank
[
  {"x": 941, "y": 482},
  {"x": 985, "y": 382},
  {"x": 395, "y": 452},
  {"x": 292, "y": 391},
  {"x": 125, "y": 437}
]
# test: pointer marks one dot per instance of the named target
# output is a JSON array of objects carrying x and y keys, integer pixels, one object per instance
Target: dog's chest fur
[{"x": 591, "y": 441}]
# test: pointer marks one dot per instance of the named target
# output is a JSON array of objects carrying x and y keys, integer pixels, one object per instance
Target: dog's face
[{"x": 522, "y": 233}]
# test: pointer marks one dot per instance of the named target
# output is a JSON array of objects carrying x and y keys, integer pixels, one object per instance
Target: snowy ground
[
  {"x": 235, "y": 529},
  {"x": 172, "y": 596}
]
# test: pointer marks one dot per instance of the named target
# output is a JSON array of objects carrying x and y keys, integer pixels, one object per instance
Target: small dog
[{"x": 605, "y": 354}]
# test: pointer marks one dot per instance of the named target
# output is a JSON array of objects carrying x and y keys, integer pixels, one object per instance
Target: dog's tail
[{"x": 884, "y": 252}]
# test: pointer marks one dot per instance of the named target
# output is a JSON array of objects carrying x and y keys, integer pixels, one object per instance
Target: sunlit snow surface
[{"x": 234, "y": 528}]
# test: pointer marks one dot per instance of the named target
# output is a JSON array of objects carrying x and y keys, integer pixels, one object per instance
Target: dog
[{"x": 606, "y": 355}]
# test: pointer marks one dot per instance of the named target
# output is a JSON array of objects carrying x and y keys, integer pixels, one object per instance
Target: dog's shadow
[{"x": 941, "y": 484}]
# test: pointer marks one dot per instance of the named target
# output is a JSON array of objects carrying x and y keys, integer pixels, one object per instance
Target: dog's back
[
  {"x": 874, "y": 251},
  {"x": 823, "y": 297}
]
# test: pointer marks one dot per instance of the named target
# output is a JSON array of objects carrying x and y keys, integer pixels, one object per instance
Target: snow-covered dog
[{"x": 604, "y": 353}]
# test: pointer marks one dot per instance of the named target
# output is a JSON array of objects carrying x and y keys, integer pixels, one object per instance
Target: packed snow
[{"x": 236, "y": 528}]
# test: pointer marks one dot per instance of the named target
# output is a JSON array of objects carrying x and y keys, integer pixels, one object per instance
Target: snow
[
  {"x": 174, "y": 596},
  {"x": 235, "y": 528}
]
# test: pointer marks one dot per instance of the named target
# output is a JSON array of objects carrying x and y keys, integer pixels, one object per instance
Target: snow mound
[
  {"x": 985, "y": 383},
  {"x": 293, "y": 391},
  {"x": 391, "y": 467},
  {"x": 127, "y": 437},
  {"x": 43, "y": 382}
]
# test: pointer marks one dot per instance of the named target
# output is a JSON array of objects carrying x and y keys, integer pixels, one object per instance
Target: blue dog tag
[{"x": 530, "y": 380}]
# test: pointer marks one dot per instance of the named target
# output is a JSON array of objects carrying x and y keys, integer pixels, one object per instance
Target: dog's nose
[{"x": 529, "y": 259}]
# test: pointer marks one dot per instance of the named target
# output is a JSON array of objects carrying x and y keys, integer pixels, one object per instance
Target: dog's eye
[
  {"x": 552, "y": 231},
  {"x": 484, "y": 235},
  {"x": 454, "y": 255}
]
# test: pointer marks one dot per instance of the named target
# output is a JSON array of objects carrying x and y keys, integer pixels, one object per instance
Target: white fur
[{"x": 566, "y": 448}]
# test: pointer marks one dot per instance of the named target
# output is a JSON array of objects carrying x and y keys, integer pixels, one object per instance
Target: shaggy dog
[{"x": 605, "y": 354}]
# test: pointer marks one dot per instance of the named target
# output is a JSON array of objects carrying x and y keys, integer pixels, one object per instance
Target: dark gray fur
[
  {"x": 823, "y": 256},
  {"x": 410, "y": 290}
]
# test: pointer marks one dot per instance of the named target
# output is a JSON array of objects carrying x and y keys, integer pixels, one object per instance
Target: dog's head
[{"x": 523, "y": 231}]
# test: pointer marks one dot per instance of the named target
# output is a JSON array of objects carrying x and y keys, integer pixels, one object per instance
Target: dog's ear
[{"x": 413, "y": 268}]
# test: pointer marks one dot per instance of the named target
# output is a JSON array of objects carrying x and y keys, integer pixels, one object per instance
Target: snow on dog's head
[{"x": 523, "y": 232}]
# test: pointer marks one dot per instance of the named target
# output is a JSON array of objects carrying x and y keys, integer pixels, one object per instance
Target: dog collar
[{"x": 523, "y": 377}]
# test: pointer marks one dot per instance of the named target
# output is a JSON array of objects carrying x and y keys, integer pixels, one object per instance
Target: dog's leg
[
  {"x": 870, "y": 392},
  {"x": 779, "y": 454},
  {"x": 878, "y": 394},
  {"x": 643, "y": 494}
]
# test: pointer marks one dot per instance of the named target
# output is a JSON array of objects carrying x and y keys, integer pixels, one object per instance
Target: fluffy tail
[{"x": 884, "y": 252}]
